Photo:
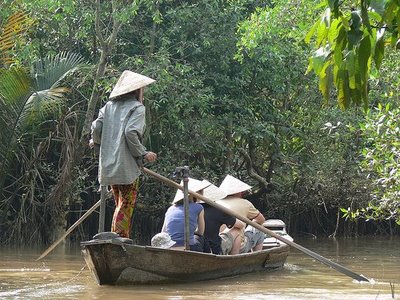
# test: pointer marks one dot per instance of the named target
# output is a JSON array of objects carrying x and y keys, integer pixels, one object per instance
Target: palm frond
[
  {"x": 47, "y": 75},
  {"x": 49, "y": 72},
  {"x": 42, "y": 104},
  {"x": 14, "y": 84},
  {"x": 15, "y": 88},
  {"x": 14, "y": 27}
]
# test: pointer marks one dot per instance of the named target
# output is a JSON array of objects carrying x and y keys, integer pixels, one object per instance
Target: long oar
[
  {"x": 318, "y": 257},
  {"x": 79, "y": 221}
]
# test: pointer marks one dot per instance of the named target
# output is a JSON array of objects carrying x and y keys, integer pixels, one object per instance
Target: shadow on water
[{"x": 63, "y": 275}]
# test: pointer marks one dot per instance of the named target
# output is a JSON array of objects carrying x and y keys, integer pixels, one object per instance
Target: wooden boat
[{"x": 113, "y": 262}]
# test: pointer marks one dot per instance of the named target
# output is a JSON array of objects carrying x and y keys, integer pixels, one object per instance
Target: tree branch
[
  {"x": 97, "y": 24},
  {"x": 250, "y": 170},
  {"x": 106, "y": 48}
]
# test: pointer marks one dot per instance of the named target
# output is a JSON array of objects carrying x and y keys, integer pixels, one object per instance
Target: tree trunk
[
  {"x": 106, "y": 45},
  {"x": 333, "y": 235},
  {"x": 229, "y": 155}
]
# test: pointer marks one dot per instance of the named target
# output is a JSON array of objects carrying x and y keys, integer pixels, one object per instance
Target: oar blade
[
  {"x": 328, "y": 262},
  {"x": 79, "y": 221}
]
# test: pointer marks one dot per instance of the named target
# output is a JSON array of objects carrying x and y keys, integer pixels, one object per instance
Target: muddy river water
[{"x": 63, "y": 275}]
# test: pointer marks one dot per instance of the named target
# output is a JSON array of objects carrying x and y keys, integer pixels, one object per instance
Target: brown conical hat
[
  {"x": 129, "y": 82},
  {"x": 231, "y": 185},
  {"x": 194, "y": 185}
]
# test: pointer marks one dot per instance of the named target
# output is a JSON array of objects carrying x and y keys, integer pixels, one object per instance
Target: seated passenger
[
  {"x": 214, "y": 241},
  {"x": 174, "y": 222},
  {"x": 252, "y": 239}
]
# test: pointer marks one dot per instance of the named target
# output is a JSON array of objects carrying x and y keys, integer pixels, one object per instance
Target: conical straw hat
[
  {"x": 212, "y": 192},
  {"x": 231, "y": 185},
  {"x": 129, "y": 82},
  {"x": 194, "y": 185}
]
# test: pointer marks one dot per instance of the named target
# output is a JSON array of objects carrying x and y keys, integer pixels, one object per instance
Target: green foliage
[
  {"x": 23, "y": 95},
  {"x": 28, "y": 102},
  {"x": 231, "y": 96},
  {"x": 10, "y": 34},
  {"x": 381, "y": 162},
  {"x": 349, "y": 43},
  {"x": 325, "y": 161}
]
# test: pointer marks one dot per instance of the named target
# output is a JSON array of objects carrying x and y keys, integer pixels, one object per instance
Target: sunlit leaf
[
  {"x": 15, "y": 25},
  {"x": 311, "y": 32},
  {"x": 379, "y": 52}
]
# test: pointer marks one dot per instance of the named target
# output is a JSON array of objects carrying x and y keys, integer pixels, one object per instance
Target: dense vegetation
[{"x": 232, "y": 96}]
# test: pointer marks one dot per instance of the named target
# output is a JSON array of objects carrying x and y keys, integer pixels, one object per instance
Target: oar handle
[{"x": 318, "y": 257}]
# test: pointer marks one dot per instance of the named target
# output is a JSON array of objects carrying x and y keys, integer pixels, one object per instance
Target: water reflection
[{"x": 63, "y": 275}]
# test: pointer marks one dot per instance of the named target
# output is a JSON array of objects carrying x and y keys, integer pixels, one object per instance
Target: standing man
[
  {"x": 252, "y": 239},
  {"x": 118, "y": 131}
]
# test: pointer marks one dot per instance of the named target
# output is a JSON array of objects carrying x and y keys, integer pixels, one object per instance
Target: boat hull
[{"x": 115, "y": 263}]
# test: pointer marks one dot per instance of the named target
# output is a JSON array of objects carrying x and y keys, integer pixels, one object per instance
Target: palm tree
[
  {"x": 29, "y": 98},
  {"x": 26, "y": 97}
]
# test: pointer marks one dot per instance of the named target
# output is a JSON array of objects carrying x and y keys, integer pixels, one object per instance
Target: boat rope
[{"x": 75, "y": 276}]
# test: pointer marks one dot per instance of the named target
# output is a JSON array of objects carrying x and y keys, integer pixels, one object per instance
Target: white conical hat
[
  {"x": 231, "y": 185},
  {"x": 129, "y": 82},
  {"x": 212, "y": 192},
  {"x": 194, "y": 185}
]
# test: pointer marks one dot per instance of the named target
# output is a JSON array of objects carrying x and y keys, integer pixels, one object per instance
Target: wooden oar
[
  {"x": 318, "y": 257},
  {"x": 79, "y": 221}
]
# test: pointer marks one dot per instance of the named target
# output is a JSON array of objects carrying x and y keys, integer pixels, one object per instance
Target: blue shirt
[{"x": 174, "y": 222}]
